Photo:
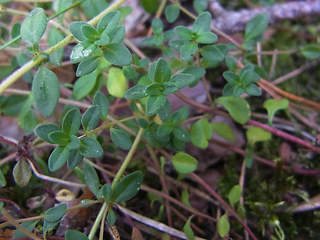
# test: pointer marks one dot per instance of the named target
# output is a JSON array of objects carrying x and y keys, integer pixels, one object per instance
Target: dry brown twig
[{"x": 235, "y": 21}]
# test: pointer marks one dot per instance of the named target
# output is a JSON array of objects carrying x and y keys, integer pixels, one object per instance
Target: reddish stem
[
  {"x": 226, "y": 206},
  {"x": 284, "y": 135}
]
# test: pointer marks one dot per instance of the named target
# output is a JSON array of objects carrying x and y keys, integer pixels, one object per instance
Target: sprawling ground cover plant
[{"x": 109, "y": 148}]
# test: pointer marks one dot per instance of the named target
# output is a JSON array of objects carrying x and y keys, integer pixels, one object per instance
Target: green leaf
[
  {"x": 87, "y": 66},
  {"x": 91, "y": 178},
  {"x": 231, "y": 63},
  {"x": 54, "y": 37},
  {"x": 183, "y": 32},
  {"x": 197, "y": 72},
  {"x": 212, "y": 54},
  {"x": 311, "y": 51},
  {"x": 182, "y": 80},
  {"x": 188, "y": 230},
  {"x": 157, "y": 26},
  {"x": 117, "y": 35},
  {"x": 22, "y": 173},
  {"x": 58, "y": 158},
  {"x": 154, "y": 89},
  {"x": 29, "y": 226},
  {"x": 27, "y": 118},
  {"x": 177, "y": 44},
  {"x": 150, "y": 6},
  {"x": 249, "y": 76},
  {"x": 34, "y": 26},
  {"x": 172, "y": 13},
  {"x": 12, "y": 104},
  {"x": 91, "y": 118},
  {"x": 3, "y": 181},
  {"x": 223, "y": 130},
  {"x": 75, "y": 29},
  {"x": 1, "y": 206},
  {"x": 74, "y": 144},
  {"x": 136, "y": 92},
  {"x": 121, "y": 139},
  {"x": 181, "y": 133},
  {"x": 90, "y": 148},
  {"x": 103, "y": 40},
  {"x": 200, "y": 5},
  {"x": 74, "y": 234},
  {"x": 49, "y": 225},
  {"x": 93, "y": 7},
  {"x": 81, "y": 51},
  {"x": 160, "y": 71},
  {"x": 55, "y": 213},
  {"x": 117, "y": 54},
  {"x": 71, "y": 121},
  {"x": 109, "y": 22},
  {"x": 15, "y": 30},
  {"x": 185, "y": 197},
  {"x": 154, "y": 104},
  {"x": 201, "y": 132},
  {"x": 202, "y": 23},
  {"x": 223, "y": 226},
  {"x": 46, "y": 91},
  {"x": 169, "y": 88},
  {"x": 253, "y": 90},
  {"x": 105, "y": 192},
  {"x": 59, "y": 137},
  {"x": 164, "y": 130},
  {"x": 128, "y": 187},
  {"x": 102, "y": 101},
  {"x": 74, "y": 159},
  {"x": 256, "y": 134},
  {"x": 234, "y": 194},
  {"x": 254, "y": 29},
  {"x": 187, "y": 51},
  {"x": 238, "y": 108},
  {"x": 206, "y": 37},
  {"x": 184, "y": 163},
  {"x": 165, "y": 110},
  {"x": 84, "y": 85},
  {"x": 117, "y": 84},
  {"x": 274, "y": 105},
  {"x": 90, "y": 32},
  {"x": 111, "y": 218}
]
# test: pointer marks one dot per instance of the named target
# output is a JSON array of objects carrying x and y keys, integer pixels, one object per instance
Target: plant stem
[
  {"x": 128, "y": 158},
  {"x": 17, "y": 225},
  {"x": 223, "y": 203},
  {"x": 97, "y": 221},
  {"x": 28, "y": 66},
  {"x": 115, "y": 181}
]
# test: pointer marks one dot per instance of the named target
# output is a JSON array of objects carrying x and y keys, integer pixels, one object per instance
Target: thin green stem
[
  {"x": 28, "y": 66},
  {"x": 127, "y": 159},
  {"x": 97, "y": 221},
  {"x": 115, "y": 181}
]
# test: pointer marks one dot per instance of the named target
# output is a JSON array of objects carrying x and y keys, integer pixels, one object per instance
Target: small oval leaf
[
  {"x": 56, "y": 213},
  {"x": 34, "y": 26},
  {"x": 22, "y": 173},
  {"x": 184, "y": 163},
  {"x": 46, "y": 91},
  {"x": 128, "y": 187}
]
